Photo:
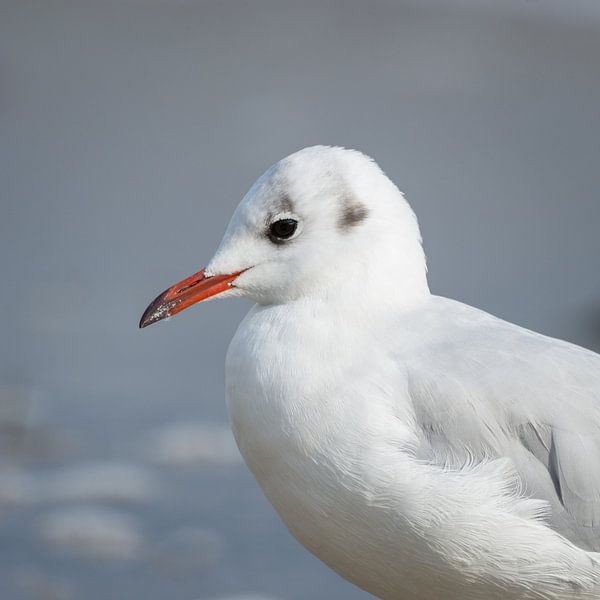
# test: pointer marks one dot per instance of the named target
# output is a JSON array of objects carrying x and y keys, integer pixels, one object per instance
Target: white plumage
[{"x": 421, "y": 448}]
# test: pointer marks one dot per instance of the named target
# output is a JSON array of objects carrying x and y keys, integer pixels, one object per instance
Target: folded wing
[{"x": 483, "y": 389}]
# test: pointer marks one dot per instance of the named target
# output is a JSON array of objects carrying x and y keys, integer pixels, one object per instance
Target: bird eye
[{"x": 282, "y": 229}]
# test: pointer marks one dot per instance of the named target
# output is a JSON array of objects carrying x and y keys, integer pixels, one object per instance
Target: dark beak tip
[
  {"x": 146, "y": 319},
  {"x": 157, "y": 310}
]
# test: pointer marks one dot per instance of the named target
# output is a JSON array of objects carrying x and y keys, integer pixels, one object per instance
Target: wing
[{"x": 483, "y": 388}]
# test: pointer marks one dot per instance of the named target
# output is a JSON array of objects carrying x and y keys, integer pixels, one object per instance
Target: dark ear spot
[{"x": 352, "y": 214}]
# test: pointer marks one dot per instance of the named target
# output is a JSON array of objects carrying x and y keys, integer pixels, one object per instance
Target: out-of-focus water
[{"x": 130, "y": 129}]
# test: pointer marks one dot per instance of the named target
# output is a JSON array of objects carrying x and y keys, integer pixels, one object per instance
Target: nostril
[
  {"x": 189, "y": 285},
  {"x": 186, "y": 287}
]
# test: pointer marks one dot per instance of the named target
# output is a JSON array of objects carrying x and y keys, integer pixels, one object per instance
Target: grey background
[{"x": 128, "y": 133}]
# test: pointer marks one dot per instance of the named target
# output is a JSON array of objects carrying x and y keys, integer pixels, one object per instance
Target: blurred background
[{"x": 129, "y": 131}]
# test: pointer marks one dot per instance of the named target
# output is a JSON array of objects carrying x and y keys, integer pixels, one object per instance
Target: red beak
[{"x": 182, "y": 295}]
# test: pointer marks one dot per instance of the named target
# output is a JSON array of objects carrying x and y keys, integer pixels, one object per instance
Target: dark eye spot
[{"x": 282, "y": 230}]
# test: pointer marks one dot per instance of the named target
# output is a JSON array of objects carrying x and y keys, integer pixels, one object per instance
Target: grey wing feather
[
  {"x": 492, "y": 388},
  {"x": 568, "y": 480},
  {"x": 576, "y": 462}
]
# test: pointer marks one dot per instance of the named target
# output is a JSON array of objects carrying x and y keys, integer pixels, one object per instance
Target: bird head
[{"x": 323, "y": 222}]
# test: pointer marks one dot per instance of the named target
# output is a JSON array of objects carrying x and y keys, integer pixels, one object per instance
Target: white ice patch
[
  {"x": 92, "y": 532},
  {"x": 102, "y": 482},
  {"x": 184, "y": 444},
  {"x": 189, "y": 551},
  {"x": 17, "y": 487}
]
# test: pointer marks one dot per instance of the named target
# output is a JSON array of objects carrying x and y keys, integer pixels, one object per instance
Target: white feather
[{"x": 420, "y": 447}]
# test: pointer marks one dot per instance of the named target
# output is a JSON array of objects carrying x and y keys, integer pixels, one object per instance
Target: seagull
[{"x": 421, "y": 448}]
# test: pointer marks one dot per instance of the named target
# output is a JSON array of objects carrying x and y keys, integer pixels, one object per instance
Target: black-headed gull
[{"x": 421, "y": 448}]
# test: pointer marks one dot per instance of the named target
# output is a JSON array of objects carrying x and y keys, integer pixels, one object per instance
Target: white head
[{"x": 324, "y": 223}]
